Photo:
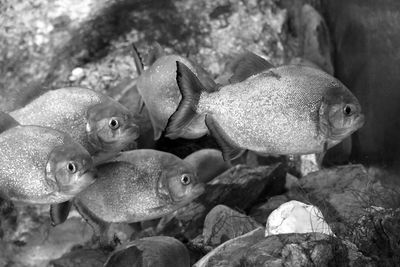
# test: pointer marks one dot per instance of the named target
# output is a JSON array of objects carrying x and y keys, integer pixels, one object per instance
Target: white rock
[{"x": 296, "y": 217}]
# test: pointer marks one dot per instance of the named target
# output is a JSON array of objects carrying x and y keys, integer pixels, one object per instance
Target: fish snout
[{"x": 360, "y": 120}]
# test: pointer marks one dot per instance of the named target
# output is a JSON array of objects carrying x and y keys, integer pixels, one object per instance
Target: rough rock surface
[
  {"x": 222, "y": 224},
  {"x": 312, "y": 249},
  {"x": 161, "y": 251},
  {"x": 378, "y": 234},
  {"x": 341, "y": 192},
  {"x": 82, "y": 257},
  {"x": 29, "y": 239}
]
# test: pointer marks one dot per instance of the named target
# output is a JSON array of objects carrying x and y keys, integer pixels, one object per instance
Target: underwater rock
[
  {"x": 311, "y": 249},
  {"x": 261, "y": 212},
  {"x": 30, "y": 240},
  {"x": 296, "y": 217},
  {"x": 222, "y": 224},
  {"x": 161, "y": 251},
  {"x": 377, "y": 234},
  {"x": 232, "y": 245},
  {"x": 81, "y": 257},
  {"x": 341, "y": 191},
  {"x": 238, "y": 188}
]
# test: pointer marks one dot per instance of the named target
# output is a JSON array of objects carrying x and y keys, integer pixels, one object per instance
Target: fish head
[
  {"x": 340, "y": 114},
  {"x": 111, "y": 127},
  {"x": 69, "y": 169},
  {"x": 179, "y": 182}
]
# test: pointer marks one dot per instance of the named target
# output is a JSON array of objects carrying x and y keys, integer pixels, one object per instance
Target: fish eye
[
  {"x": 71, "y": 167},
  {"x": 114, "y": 124},
  {"x": 347, "y": 110},
  {"x": 185, "y": 179}
]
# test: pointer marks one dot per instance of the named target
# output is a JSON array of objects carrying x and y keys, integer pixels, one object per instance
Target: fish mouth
[
  {"x": 82, "y": 182},
  {"x": 194, "y": 193},
  {"x": 360, "y": 121}
]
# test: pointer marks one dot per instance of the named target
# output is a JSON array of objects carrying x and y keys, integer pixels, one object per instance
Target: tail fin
[
  {"x": 190, "y": 88},
  {"x": 138, "y": 60}
]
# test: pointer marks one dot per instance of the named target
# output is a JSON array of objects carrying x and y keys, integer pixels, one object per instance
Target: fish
[
  {"x": 208, "y": 163},
  {"x": 285, "y": 110},
  {"x": 160, "y": 93},
  {"x": 97, "y": 122},
  {"x": 40, "y": 165},
  {"x": 139, "y": 185}
]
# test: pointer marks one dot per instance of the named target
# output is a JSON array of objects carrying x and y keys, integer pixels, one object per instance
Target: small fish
[
  {"x": 160, "y": 93},
  {"x": 286, "y": 110},
  {"x": 41, "y": 165},
  {"x": 97, "y": 122},
  {"x": 208, "y": 163},
  {"x": 140, "y": 185}
]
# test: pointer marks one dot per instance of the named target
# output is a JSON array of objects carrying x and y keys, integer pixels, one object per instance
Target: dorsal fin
[
  {"x": 138, "y": 60},
  {"x": 246, "y": 65},
  {"x": 155, "y": 53}
]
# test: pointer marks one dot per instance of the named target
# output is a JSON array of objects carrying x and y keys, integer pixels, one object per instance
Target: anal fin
[
  {"x": 230, "y": 150},
  {"x": 59, "y": 212}
]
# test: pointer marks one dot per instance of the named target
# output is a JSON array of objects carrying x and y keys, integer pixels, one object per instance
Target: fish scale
[
  {"x": 266, "y": 113},
  {"x": 50, "y": 110},
  {"x": 128, "y": 189},
  {"x": 24, "y": 155}
]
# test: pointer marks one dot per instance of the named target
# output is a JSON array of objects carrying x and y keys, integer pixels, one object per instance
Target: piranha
[
  {"x": 40, "y": 165},
  {"x": 97, "y": 122},
  {"x": 137, "y": 185},
  {"x": 286, "y": 110},
  {"x": 208, "y": 163},
  {"x": 160, "y": 93}
]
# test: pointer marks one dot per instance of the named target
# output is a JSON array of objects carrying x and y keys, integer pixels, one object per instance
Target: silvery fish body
[
  {"x": 79, "y": 112},
  {"x": 32, "y": 161},
  {"x": 276, "y": 111},
  {"x": 139, "y": 185},
  {"x": 160, "y": 92},
  {"x": 285, "y": 110}
]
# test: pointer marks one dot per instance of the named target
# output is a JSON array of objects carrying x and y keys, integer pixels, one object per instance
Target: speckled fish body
[
  {"x": 139, "y": 185},
  {"x": 286, "y": 110},
  {"x": 30, "y": 162},
  {"x": 159, "y": 90},
  {"x": 66, "y": 110},
  {"x": 275, "y": 112}
]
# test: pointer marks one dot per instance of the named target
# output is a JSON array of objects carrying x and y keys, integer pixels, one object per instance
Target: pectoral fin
[
  {"x": 247, "y": 65},
  {"x": 6, "y": 122},
  {"x": 59, "y": 212},
  {"x": 229, "y": 149},
  {"x": 138, "y": 60}
]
